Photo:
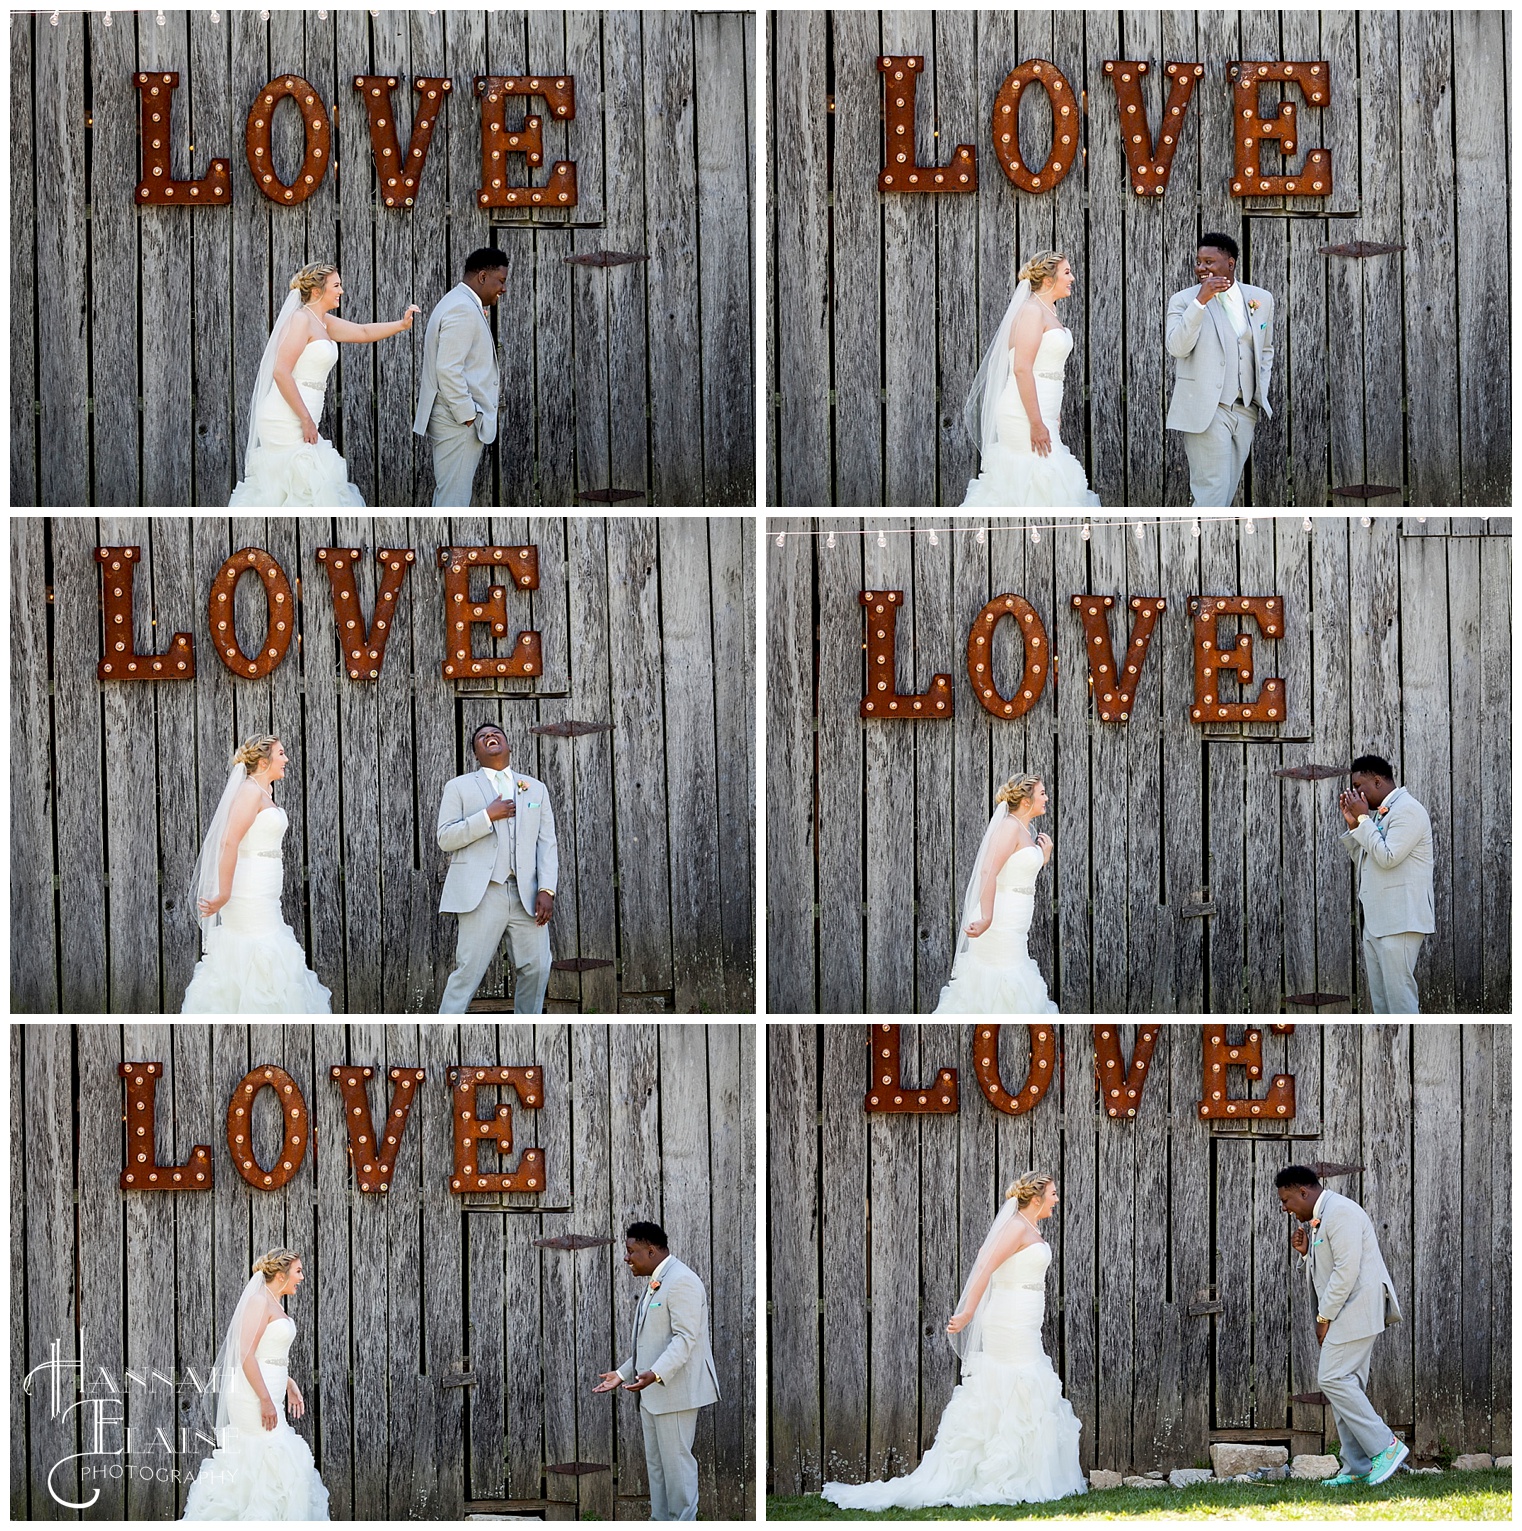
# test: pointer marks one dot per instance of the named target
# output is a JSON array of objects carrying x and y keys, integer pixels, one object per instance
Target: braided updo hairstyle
[
  {"x": 1028, "y": 1188},
  {"x": 1040, "y": 268},
  {"x": 1017, "y": 790},
  {"x": 311, "y": 279},
  {"x": 252, "y": 753},
  {"x": 273, "y": 1265}
]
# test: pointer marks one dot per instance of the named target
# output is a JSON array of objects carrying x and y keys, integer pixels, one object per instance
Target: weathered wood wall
[
  {"x": 1156, "y": 1214},
  {"x": 639, "y": 1121},
  {"x": 139, "y": 331},
  {"x": 1398, "y": 644},
  {"x": 648, "y": 624},
  {"x": 1390, "y": 370}
]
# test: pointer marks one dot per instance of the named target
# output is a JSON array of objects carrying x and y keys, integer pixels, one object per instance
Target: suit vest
[{"x": 1241, "y": 387}]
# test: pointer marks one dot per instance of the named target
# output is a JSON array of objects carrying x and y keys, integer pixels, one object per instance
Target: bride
[
  {"x": 287, "y": 462},
  {"x": 1015, "y": 408},
  {"x": 993, "y": 973},
  {"x": 252, "y": 961},
  {"x": 1007, "y": 1435},
  {"x": 261, "y": 1469}
]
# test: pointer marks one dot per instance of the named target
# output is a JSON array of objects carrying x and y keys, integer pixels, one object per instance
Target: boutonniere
[
  {"x": 1253, "y": 304},
  {"x": 655, "y": 1286},
  {"x": 1383, "y": 809},
  {"x": 523, "y": 786}
]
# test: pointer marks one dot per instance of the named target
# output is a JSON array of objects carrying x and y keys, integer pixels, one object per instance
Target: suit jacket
[
  {"x": 670, "y": 1338},
  {"x": 472, "y": 839},
  {"x": 1353, "y": 1288},
  {"x": 459, "y": 366},
  {"x": 1393, "y": 854},
  {"x": 1203, "y": 345}
]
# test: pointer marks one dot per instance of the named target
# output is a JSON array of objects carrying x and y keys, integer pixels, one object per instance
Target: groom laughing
[
  {"x": 1221, "y": 336},
  {"x": 1355, "y": 1303}
]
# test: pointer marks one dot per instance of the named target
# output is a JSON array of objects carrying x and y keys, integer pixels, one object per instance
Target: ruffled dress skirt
[
  {"x": 252, "y": 963},
  {"x": 258, "y": 1474},
  {"x": 1011, "y": 475},
  {"x": 996, "y": 975},
  {"x": 285, "y": 470},
  {"x": 1007, "y": 1436}
]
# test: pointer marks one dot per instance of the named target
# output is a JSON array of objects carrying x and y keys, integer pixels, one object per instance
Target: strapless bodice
[
  {"x": 266, "y": 832},
  {"x": 1018, "y": 874},
  {"x": 1025, "y": 1268},
  {"x": 314, "y": 364},
  {"x": 1051, "y": 355},
  {"x": 275, "y": 1343}
]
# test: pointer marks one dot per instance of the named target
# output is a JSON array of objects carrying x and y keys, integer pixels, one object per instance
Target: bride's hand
[
  {"x": 1044, "y": 845},
  {"x": 209, "y": 906},
  {"x": 267, "y": 1415},
  {"x": 407, "y": 317},
  {"x": 294, "y": 1401},
  {"x": 1041, "y": 440},
  {"x": 309, "y": 431},
  {"x": 977, "y": 928},
  {"x": 958, "y": 1322}
]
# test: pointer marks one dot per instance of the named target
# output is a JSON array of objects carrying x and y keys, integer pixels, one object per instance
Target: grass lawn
[{"x": 1449, "y": 1496}]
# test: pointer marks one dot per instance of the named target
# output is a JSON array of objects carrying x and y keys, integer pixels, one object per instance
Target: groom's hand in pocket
[
  {"x": 1321, "y": 1328},
  {"x": 544, "y": 907}
]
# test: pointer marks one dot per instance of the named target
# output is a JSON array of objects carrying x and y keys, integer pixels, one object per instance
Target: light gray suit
[
  {"x": 1393, "y": 854},
  {"x": 670, "y": 1338},
  {"x": 1354, "y": 1291},
  {"x": 1221, "y": 382},
  {"x": 460, "y": 382},
  {"x": 496, "y": 869}
]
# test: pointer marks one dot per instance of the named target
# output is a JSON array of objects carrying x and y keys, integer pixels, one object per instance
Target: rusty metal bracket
[
  {"x": 605, "y": 258},
  {"x": 1310, "y": 772},
  {"x": 572, "y": 728},
  {"x": 580, "y": 964},
  {"x": 572, "y": 1241},
  {"x": 1366, "y": 491},
  {"x": 1323, "y": 1169},
  {"x": 577, "y": 1469},
  {"x": 1316, "y": 999},
  {"x": 1359, "y": 249}
]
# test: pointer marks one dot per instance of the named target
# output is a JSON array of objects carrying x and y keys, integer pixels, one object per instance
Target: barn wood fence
[
  {"x": 1157, "y": 1216},
  {"x": 1389, "y": 370},
  {"x": 435, "y": 1382},
  {"x": 131, "y": 375},
  {"x": 648, "y": 625},
  {"x": 1186, "y": 876}
]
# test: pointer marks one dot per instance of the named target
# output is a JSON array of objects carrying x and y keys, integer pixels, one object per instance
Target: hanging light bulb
[
  {"x": 781, "y": 539},
  {"x": 1308, "y": 524},
  {"x": 53, "y": 19},
  {"x": 934, "y": 540},
  {"x": 1195, "y": 529},
  {"x": 981, "y": 538},
  {"x": 1140, "y": 531},
  {"x": 1420, "y": 520},
  {"x": 216, "y": 17},
  {"x": 159, "y": 18},
  {"x": 1365, "y": 521},
  {"x": 1085, "y": 531},
  {"x": 882, "y": 538},
  {"x": 105, "y": 19},
  {"x": 1035, "y": 535},
  {"x": 1249, "y": 527},
  {"x": 829, "y": 541}
]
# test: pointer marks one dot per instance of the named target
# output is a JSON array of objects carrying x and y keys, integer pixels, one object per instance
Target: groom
[
  {"x": 1355, "y": 1303},
  {"x": 1389, "y": 838},
  {"x": 670, "y": 1366},
  {"x": 1221, "y": 335},
  {"x": 499, "y": 831},
  {"x": 460, "y": 388}
]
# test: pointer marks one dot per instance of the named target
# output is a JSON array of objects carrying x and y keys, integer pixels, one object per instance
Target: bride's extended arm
[
  {"x": 288, "y": 353},
  {"x": 361, "y": 334},
  {"x": 1024, "y": 342},
  {"x": 245, "y": 807}
]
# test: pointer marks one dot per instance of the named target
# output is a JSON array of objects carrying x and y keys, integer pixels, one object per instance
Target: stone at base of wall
[
  {"x": 1185, "y": 1477},
  {"x": 1503, "y": 1461},
  {"x": 1099, "y": 1479},
  {"x": 1233, "y": 1458},
  {"x": 1313, "y": 1467},
  {"x": 1140, "y": 1483},
  {"x": 1476, "y": 1461}
]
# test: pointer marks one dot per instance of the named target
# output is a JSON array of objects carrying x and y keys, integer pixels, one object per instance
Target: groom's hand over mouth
[{"x": 1211, "y": 285}]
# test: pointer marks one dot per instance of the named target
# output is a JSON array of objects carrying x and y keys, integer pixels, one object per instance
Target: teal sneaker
[
  {"x": 1387, "y": 1461},
  {"x": 1342, "y": 1480}
]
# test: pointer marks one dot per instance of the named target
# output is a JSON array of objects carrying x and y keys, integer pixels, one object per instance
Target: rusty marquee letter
[
  {"x": 1253, "y": 132},
  {"x": 1037, "y": 1081},
  {"x": 293, "y": 1119},
  {"x": 1210, "y": 658},
  {"x": 472, "y": 1128},
  {"x": 497, "y": 143},
  {"x": 1114, "y": 690},
  {"x": 279, "y": 613},
  {"x": 1109, "y": 1061},
  {"x": 1219, "y": 1055},
  {"x": 1150, "y": 166},
  {"x": 1006, "y": 124},
  {"x": 158, "y": 186},
  {"x": 888, "y": 1093},
  {"x": 461, "y": 611},
  {"x": 980, "y": 649},
  {"x": 883, "y": 699},
  {"x": 365, "y": 649},
  {"x": 144, "y": 1172},
  {"x": 400, "y": 175},
  {"x": 374, "y": 1161},
  {"x": 122, "y": 661},
  {"x": 903, "y": 172},
  {"x": 258, "y": 140}
]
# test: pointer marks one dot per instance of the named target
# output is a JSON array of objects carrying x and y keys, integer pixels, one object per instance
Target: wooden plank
[
  {"x": 935, "y": 897},
  {"x": 257, "y": 291},
  {"x": 1107, "y": 835},
  {"x": 25, "y": 487},
  {"x": 1474, "y": 1053},
  {"x": 801, "y": 276},
  {"x": 1189, "y": 1204},
  {"x": 1183, "y": 223},
  {"x": 1071, "y": 980},
  {"x": 34, "y": 935},
  {"x": 686, "y": 628},
  {"x": 1264, "y": 850},
  {"x": 332, "y": 1425},
  {"x": 1500, "y": 1254},
  {"x": 589, "y": 285},
  {"x": 731, "y": 1170},
  {"x": 1387, "y": 1157},
  {"x": 20, "y": 1477},
  {"x": 1462, "y": 932},
  {"x": 1157, "y": 1400},
  {"x": 856, "y": 274},
  {"x": 554, "y": 1134},
  {"x": 722, "y": 194},
  {"x": 1142, "y": 739},
  {"x": 794, "y": 1293},
  {"x": 1116, "y": 1163},
  {"x": 1494, "y": 747},
  {"x": 57, "y": 91}
]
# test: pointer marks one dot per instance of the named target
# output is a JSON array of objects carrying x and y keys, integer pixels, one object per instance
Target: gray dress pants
[
  {"x": 481, "y": 929},
  {"x": 1218, "y": 454},
  {"x": 669, "y": 1460},
  {"x": 1342, "y": 1375},
  {"x": 1390, "y": 964},
  {"x": 456, "y": 452}
]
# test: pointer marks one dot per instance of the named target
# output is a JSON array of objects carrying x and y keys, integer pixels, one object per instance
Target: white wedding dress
[
  {"x": 1007, "y": 1435},
  {"x": 259, "y": 1474},
  {"x": 996, "y": 974},
  {"x": 283, "y": 469},
  {"x": 1011, "y": 474},
  {"x": 253, "y": 963}
]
